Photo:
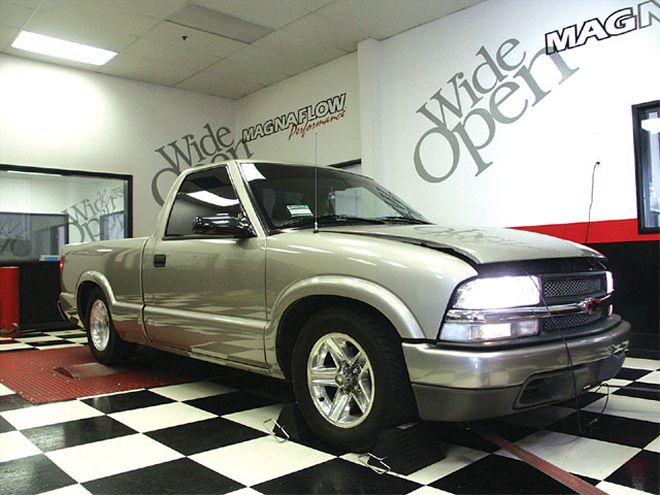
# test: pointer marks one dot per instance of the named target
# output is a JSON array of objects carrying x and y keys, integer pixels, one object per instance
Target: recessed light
[{"x": 56, "y": 47}]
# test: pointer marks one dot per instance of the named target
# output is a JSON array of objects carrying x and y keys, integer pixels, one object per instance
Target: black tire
[
  {"x": 106, "y": 346},
  {"x": 388, "y": 384}
]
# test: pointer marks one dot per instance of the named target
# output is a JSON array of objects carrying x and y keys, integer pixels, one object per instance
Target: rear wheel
[
  {"x": 104, "y": 341},
  {"x": 349, "y": 377}
]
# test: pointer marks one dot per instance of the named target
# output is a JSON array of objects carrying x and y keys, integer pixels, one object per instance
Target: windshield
[{"x": 285, "y": 196}]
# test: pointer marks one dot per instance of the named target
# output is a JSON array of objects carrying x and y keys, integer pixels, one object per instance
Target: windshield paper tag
[{"x": 299, "y": 211}]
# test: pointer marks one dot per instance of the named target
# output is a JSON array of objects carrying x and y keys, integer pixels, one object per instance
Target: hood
[{"x": 480, "y": 245}]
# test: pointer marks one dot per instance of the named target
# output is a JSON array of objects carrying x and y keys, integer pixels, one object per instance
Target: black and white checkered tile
[
  {"x": 209, "y": 437},
  {"x": 50, "y": 339}
]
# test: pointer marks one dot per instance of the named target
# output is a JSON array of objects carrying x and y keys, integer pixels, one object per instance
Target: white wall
[
  {"x": 542, "y": 162},
  {"x": 338, "y": 140},
  {"x": 57, "y": 117}
]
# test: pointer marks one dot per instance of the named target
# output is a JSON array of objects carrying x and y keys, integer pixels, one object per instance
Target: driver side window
[{"x": 203, "y": 194}]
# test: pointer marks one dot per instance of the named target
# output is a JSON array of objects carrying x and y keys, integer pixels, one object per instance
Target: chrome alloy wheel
[
  {"x": 99, "y": 325},
  {"x": 340, "y": 380}
]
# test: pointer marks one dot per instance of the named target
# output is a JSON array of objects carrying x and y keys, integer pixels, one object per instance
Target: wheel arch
[
  {"x": 86, "y": 285},
  {"x": 298, "y": 303}
]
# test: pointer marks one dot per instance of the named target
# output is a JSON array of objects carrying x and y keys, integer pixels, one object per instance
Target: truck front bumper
[{"x": 465, "y": 385}]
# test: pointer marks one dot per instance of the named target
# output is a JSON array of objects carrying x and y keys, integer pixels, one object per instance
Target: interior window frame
[
  {"x": 642, "y": 164},
  {"x": 126, "y": 178}
]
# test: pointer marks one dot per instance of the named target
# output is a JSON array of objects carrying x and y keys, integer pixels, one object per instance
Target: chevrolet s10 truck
[{"x": 376, "y": 315}]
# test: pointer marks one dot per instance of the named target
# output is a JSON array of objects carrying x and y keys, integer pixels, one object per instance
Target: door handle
[{"x": 160, "y": 260}]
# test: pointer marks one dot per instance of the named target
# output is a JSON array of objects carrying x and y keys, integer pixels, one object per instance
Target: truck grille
[
  {"x": 570, "y": 321},
  {"x": 563, "y": 289},
  {"x": 571, "y": 289}
]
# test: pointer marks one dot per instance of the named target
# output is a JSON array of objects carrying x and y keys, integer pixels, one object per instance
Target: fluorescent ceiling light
[{"x": 55, "y": 47}]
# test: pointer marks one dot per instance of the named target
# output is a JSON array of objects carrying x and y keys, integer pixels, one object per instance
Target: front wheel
[
  {"x": 349, "y": 377},
  {"x": 104, "y": 341}
]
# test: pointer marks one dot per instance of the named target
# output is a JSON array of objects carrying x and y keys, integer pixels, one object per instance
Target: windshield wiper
[
  {"x": 325, "y": 219},
  {"x": 398, "y": 219}
]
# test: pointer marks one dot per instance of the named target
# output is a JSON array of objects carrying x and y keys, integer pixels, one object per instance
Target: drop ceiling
[{"x": 227, "y": 48}]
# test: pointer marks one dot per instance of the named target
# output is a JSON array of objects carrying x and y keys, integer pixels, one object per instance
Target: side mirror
[{"x": 223, "y": 224}]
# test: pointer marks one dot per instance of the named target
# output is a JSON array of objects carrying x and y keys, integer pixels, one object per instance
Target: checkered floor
[
  {"x": 55, "y": 339},
  {"x": 209, "y": 437}
]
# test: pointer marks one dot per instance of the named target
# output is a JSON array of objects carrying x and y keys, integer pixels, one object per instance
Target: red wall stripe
[{"x": 599, "y": 232}]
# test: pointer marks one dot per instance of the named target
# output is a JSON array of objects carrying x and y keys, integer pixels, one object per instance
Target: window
[
  {"x": 112, "y": 226},
  {"x": 646, "y": 132},
  {"x": 204, "y": 194},
  {"x": 287, "y": 195},
  {"x": 43, "y": 209}
]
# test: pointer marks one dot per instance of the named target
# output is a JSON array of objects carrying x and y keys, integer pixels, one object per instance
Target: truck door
[{"x": 204, "y": 294}]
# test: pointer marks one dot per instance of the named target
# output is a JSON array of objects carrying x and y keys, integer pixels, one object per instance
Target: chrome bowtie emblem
[{"x": 592, "y": 306}]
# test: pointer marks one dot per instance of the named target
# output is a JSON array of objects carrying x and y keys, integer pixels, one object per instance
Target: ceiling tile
[
  {"x": 13, "y": 15},
  {"x": 291, "y": 46},
  {"x": 80, "y": 32},
  {"x": 216, "y": 84},
  {"x": 172, "y": 34},
  {"x": 146, "y": 77},
  {"x": 271, "y": 13},
  {"x": 153, "y": 50},
  {"x": 212, "y": 21},
  {"x": 101, "y": 14},
  {"x": 7, "y": 35},
  {"x": 230, "y": 68},
  {"x": 272, "y": 61},
  {"x": 327, "y": 31},
  {"x": 147, "y": 70},
  {"x": 157, "y": 50},
  {"x": 159, "y": 9},
  {"x": 385, "y": 18}
]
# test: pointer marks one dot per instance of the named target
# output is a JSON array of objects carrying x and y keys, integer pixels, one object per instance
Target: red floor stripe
[{"x": 564, "y": 477}]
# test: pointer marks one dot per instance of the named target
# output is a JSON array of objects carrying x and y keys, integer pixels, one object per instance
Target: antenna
[{"x": 316, "y": 182}]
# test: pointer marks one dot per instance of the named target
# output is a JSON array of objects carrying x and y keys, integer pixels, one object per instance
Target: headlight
[
  {"x": 498, "y": 292},
  {"x": 468, "y": 320}
]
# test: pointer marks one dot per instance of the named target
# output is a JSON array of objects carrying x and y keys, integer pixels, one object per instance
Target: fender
[
  {"x": 99, "y": 279},
  {"x": 365, "y": 291},
  {"x": 126, "y": 317}
]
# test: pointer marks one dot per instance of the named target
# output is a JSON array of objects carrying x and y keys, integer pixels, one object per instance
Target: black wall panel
[{"x": 636, "y": 269}]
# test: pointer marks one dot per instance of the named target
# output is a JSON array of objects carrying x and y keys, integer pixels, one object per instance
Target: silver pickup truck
[{"x": 375, "y": 314}]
